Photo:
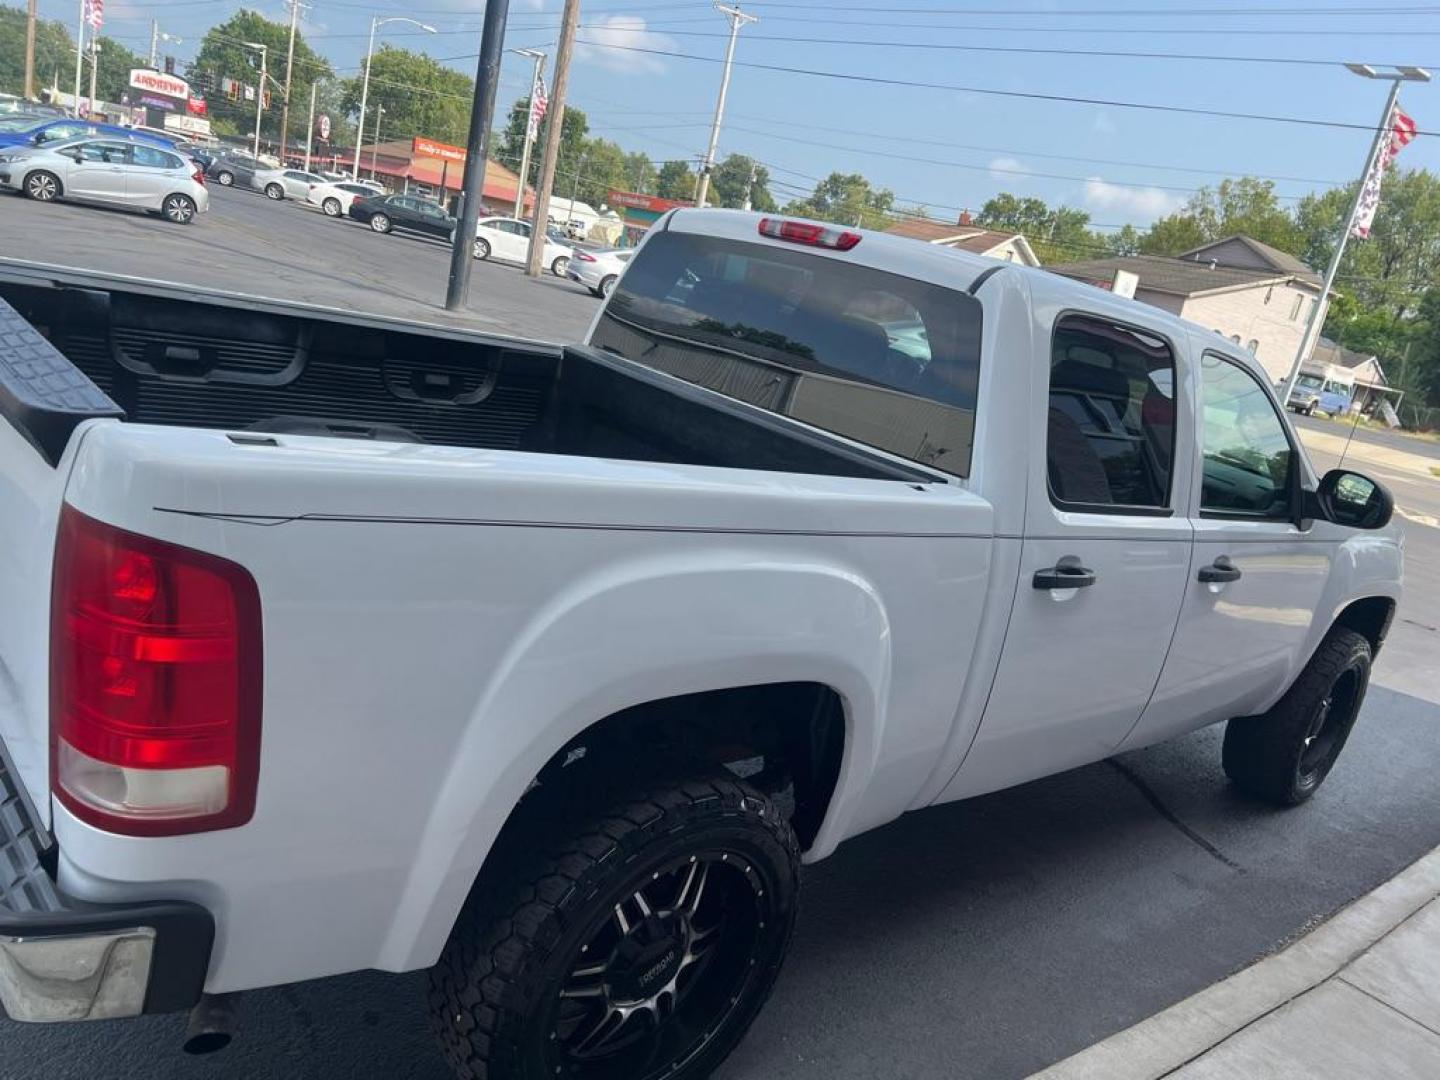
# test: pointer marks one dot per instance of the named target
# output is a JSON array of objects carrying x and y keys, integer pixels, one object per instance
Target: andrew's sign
[{"x": 157, "y": 82}]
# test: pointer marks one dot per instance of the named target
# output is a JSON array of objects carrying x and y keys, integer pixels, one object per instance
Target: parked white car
[
  {"x": 335, "y": 198},
  {"x": 285, "y": 183},
  {"x": 546, "y": 667},
  {"x": 117, "y": 173},
  {"x": 599, "y": 270},
  {"x": 507, "y": 239}
]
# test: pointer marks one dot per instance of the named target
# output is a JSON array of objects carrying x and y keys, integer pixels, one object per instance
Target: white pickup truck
[{"x": 331, "y": 643}]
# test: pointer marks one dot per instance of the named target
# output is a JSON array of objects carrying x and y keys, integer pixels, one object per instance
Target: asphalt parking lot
[
  {"x": 983, "y": 939},
  {"x": 249, "y": 244}
]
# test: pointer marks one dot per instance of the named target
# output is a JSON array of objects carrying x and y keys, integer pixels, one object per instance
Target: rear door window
[
  {"x": 889, "y": 361},
  {"x": 1110, "y": 430}
]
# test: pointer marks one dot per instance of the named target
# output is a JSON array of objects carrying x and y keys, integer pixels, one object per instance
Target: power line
[
  {"x": 992, "y": 92},
  {"x": 945, "y": 47},
  {"x": 1309, "y": 11}
]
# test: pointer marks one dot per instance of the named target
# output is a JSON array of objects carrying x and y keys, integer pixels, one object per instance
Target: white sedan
[
  {"x": 335, "y": 198},
  {"x": 598, "y": 271},
  {"x": 284, "y": 183},
  {"x": 508, "y": 240}
]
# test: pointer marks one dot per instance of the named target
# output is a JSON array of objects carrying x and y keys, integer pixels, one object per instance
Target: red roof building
[{"x": 404, "y": 164}]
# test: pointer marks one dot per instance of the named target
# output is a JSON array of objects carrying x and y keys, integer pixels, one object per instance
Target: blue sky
[{"x": 1119, "y": 164}]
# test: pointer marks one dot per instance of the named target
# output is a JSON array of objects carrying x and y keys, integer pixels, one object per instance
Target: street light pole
[
  {"x": 375, "y": 146},
  {"x": 375, "y": 23},
  {"x": 310, "y": 127},
  {"x": 1395, "y": 76},
  {"x": 539, "y": 58},
  {"x": 737, "y": 19}
]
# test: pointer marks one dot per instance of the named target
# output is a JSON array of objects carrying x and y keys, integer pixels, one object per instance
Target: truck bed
[{"x": 176, "y": 358}]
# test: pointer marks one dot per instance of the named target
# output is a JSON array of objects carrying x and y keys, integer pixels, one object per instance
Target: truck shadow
[{"x": 979, "y": 939}]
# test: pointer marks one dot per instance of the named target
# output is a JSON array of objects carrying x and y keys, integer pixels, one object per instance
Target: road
[
  {"x": 979, "y": 940},
  {"x": 247, "y": 243}
]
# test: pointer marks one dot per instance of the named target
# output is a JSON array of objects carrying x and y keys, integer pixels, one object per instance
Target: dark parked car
[
  {"x": 231, "y": 168},
  {"x": 407, "y": 213}
]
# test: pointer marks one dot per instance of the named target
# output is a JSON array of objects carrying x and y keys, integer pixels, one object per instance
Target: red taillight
[
  {"x": 198, "y": 176},
  {"x": 805, "y": 232},
  {"x": 154, "y": 683},
  {"x": 580, "y": 256}
]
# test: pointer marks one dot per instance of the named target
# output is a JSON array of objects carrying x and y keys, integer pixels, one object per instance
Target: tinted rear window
[{"x": 885, "y": 360}]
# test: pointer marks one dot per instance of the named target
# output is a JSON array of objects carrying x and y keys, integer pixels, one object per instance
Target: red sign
[
  {"x": 196, "y": 105},
  {"x": 636, "y": 201},
  {"x": 157, "y": 82},
  {"x": 431, "y": 149}
]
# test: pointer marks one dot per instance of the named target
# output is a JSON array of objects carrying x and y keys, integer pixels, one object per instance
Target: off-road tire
[
  {"x": 518, "y": 939},
  {"x": 1284, "y": 755}
]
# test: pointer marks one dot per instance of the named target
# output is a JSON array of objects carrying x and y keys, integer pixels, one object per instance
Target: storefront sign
[
  {"x": 157, "y": 82},
  {"x": 431, "y": 149}
]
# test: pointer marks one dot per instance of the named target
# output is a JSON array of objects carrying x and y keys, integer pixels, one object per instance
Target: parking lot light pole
[
  {"x": 477, "y": 150},
  {"x": 539, "y": 58},
  {"x": 1395, "y": 76},
  {"x": 375, "y": 23},
  {"x": 737, "y": 19},
  {"x": 259, "y": 93}
]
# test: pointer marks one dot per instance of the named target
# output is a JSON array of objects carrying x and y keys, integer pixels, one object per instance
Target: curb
[{"x": 1156, "y": 1047}]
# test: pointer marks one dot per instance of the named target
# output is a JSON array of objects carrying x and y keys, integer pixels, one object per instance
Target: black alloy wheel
[{"x": 639, "y": 949}]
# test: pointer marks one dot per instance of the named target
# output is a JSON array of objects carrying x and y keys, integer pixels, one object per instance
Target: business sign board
[
  {"x": 431, "y": 149},
  {"x": 157, "y": 82}
]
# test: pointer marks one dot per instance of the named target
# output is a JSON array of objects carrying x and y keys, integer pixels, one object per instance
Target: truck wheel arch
[
  {"x": 534, "y": 716},
  {"x": 1369, "y": 617}
]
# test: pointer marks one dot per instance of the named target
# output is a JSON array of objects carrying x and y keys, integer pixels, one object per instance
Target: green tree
[
  {"x": 603, "y": 169},
  {"x": 1172, "y": 235},
  {"x": 510, "y": 144},
  {"x": 223, "y": 55},
  {"x": 675, "y": 181},
  {"x": 730, "y": 183},
  {"x": 420, "y": 96},
  {"x": 54, "y": 52},
  {"x": 1124, "y": 241},
  {"x": 112, "y": 76},
  {"x": 847, "y": 199},
  {"x": 1058, "y": 235},
  {"x": 640, "y": 174}
]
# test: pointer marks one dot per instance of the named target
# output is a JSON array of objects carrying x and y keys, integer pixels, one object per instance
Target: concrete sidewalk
[{"x": 1358, "y": 998}]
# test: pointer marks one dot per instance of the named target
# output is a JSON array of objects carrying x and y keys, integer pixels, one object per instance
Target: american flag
[
  {"x": 539, "y": 102},
  {"x": 1402, "y": 132},
  {"x": 94, "y": 13}
]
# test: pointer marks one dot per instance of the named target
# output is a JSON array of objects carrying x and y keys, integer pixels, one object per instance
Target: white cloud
[
  {"x": 1143, "y": 203},
  {"x": 608, "y": 42},
  {"x": 1007, "y": 168}
]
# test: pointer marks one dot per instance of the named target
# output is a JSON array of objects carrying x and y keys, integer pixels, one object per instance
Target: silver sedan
[{"x": 108, "y": 171}]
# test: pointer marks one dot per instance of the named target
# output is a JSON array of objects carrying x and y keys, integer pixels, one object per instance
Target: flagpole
[
  {"x": 79, "y": 55},
  {"x": 1382, "y": 135}
]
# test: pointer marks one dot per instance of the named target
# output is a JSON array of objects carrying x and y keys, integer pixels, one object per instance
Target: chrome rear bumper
[{"x": 65, "y": 959}]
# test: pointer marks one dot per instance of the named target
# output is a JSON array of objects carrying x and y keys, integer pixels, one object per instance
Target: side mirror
[{"x": 1351, "y": 499}]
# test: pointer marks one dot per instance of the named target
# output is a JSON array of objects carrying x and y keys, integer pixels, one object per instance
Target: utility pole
[
  {"x": 79, "y": 54},
  {"x": 30, "y": 14},
  {"x": 259, "y": 92},
  {"x": 568, "y": 22},
  {"x": 539, "y": 58},
  {"x": 94, "y": 65},
  {"x": 375, "y": 146},
  {"x": 310, "y": 127},
  {"x": 737, "y": 19},
  {"x": 1395, "y": 77},
  {"x": 295, "y": 7},
  {"x": 477, "y": 150}
]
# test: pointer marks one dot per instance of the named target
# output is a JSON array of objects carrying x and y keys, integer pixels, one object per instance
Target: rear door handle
[
  {"x": 1219, "y": 572},
  {"x": 1063, "y": 576}
]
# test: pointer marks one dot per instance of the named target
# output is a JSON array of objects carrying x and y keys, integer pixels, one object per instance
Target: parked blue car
[{"x": 32, "y": 131}]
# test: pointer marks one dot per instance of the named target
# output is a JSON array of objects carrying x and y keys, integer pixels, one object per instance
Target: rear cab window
[{"x": 889, "y": 361}]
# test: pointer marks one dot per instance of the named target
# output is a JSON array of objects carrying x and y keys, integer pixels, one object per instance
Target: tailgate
[{"x": 43, "y": 399}]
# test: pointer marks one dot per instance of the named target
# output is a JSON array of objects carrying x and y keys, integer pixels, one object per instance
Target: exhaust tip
[{"x": 212, "y": 1024}]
